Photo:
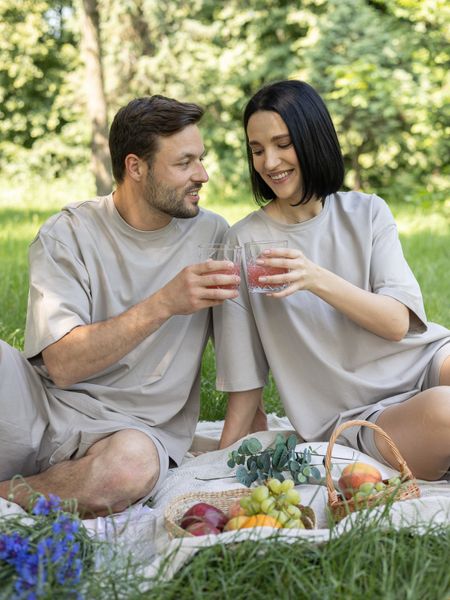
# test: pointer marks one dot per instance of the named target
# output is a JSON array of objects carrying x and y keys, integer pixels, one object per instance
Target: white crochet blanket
[{"x": 140, "y": 529}]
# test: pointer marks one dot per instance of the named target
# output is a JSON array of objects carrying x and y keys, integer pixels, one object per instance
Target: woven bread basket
[
  {"x": 223, "y": 500},
  {"x": 339, "y": 506}
]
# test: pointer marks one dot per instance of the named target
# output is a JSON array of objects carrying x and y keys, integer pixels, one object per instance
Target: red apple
[
  {"x": 202, "y": 528},
  {"x": 203, "y": 512}
]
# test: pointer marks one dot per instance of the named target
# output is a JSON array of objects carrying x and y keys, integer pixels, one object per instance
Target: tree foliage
[{"x": 381, "y": 65}]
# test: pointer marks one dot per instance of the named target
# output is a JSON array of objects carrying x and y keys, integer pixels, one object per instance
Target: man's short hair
[
  {"x": 138, "y": 125},
  {"x": 312, "y": 134}
]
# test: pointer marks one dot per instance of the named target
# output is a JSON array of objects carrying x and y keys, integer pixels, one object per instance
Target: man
[{"x": 106, "y": 393}]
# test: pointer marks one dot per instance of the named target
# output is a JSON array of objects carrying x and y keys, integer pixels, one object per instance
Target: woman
[{"x": 348, "y": 337}]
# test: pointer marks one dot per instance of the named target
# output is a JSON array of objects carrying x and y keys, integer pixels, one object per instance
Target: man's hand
[{"x": 199, "y": 286}]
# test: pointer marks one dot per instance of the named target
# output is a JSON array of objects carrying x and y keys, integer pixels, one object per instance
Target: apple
[
  {"x": 356, "y": 474},
  {"x": 203, "y": 512},
  {"x": 202, "y": 528}
]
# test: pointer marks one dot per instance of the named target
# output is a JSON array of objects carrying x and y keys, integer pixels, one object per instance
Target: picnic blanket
[{"x": 140, "y": 529}]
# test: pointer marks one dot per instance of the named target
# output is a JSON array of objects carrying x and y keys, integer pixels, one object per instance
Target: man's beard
[{"x": 168, "y": 201}]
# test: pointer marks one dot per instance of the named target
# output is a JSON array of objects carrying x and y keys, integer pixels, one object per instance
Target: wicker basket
[
  {"x": 223, "y": 500},
  {"x": 407, "y": 489}
]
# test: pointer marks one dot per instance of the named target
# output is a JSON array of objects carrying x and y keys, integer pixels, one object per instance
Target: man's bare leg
[
  {"x": 115, "y": 472},
  {"x": 420, "y": 428}
]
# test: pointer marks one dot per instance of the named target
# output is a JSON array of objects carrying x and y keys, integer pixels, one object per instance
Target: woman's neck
[{"x": 283, "y": 212}]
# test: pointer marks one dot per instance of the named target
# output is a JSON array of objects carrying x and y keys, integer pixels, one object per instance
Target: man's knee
[{"x": 130, "y": 463}]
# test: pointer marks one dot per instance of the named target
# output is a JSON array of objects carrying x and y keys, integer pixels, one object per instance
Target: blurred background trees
[{"x": 381, "y": 65}]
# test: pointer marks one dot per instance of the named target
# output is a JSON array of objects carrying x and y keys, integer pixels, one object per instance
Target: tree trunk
[{"x": 95, "y": 93}]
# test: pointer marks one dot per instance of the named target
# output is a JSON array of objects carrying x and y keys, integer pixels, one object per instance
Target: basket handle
[{"x": 403, "y": 467}]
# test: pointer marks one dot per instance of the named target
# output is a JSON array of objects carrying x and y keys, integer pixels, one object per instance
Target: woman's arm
[
  {"x": 241, "y": 412},
  {"x": 382, "y": 315}
]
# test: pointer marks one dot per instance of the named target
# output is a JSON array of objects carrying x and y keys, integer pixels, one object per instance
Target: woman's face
[{"x": 274, "y": 156}]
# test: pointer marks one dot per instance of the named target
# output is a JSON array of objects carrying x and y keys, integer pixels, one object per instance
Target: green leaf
[
  {"x": 264, "y": 461},
  {"x": 291, "y": 442},
  {"x": 254, "y": 445},
  {"x": 244, "y": 477},
  {"x": 252, "y": 461},
  {"x": 231, "y": 463},
  {"x": 280, "y": 458},
  {"x": 315, "y": 473},
  {"x": 279, "y": 439},
  {"x": 293, "y": 466}
]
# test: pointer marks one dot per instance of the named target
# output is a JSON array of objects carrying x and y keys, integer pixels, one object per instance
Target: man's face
[{"x": 176, "y": 174}]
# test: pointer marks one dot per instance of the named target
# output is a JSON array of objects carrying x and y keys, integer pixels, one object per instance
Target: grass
[{"x": 364, "y": 563}]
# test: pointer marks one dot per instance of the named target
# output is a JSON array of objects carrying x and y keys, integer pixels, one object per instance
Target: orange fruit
[{"x": 261, "y": 520}]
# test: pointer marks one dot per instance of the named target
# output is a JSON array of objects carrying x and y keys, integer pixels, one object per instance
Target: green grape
[
  {"x": 260, "y": 493},
  {"x": 280, "y": 516},
  {"x": 394, "y": 481},
  {"x": 254, "y": 507},
  {"x": 274, "y": 486},
  {"x": 245, "y": 503},
  {"x": 293, "y": 511},
  {"x": 286, "y": 485},
  {"x": 267, "y": 505},
  {"x": 294, "y": 524},
  {"x": 292, "y": 497},
  {"x": 380, "y": 486},
  {"x": 360, "y": 497},
  {"x": 366, "y": 488}
]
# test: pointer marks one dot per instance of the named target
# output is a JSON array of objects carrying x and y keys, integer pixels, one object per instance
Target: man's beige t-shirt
[
  {"x": 326, "y": 367},
  {"x": 88, "y": 265}
]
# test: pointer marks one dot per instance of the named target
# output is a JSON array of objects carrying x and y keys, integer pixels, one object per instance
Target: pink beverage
[
  {"x": 236, "y": 270},
  {"x": 254, "y": 272}
]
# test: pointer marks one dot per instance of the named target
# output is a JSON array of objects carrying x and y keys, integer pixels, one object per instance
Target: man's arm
[
  {"x": 241, "y": 412},
  {"x": 89, "y": 349}
]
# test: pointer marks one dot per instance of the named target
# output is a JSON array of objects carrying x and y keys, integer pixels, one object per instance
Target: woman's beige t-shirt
[{"x": 327, "y": 368}]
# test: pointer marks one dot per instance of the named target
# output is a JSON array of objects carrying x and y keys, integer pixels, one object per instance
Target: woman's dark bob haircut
[
  {"x": 137, "y": 127},
  {"x": 312, "y": 133}
]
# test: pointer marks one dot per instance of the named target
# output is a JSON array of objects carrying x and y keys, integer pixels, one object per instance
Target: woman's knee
[{"x": 436, "y": 408}]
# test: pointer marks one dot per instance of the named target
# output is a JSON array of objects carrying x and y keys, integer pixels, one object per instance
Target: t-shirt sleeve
[
  {"x": 241, "y": 362},
  {"x": 240, "y": 359},
  {"x": 390, "y": 274},
  {"x": 59, "y": 294}
]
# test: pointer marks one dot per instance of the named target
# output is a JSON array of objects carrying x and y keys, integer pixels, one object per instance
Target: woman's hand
[
  {"x": 301, "y": 273},
  {"x": 382, "y": 315}
]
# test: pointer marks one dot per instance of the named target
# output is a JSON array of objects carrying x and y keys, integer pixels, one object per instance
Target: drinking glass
[
  {"x": 253, "y": 251},
  {"x": 222, "y": 252}
]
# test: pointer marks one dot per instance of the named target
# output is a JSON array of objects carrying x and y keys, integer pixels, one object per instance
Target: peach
[
  {"x": 354, "y": 475},
  {"x": 235, "y": 510}
]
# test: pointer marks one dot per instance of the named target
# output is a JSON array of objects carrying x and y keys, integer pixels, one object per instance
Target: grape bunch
[{"x": 277, "y": 499}]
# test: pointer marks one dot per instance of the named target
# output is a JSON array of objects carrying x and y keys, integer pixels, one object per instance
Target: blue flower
[{"x": 44, "y": 506}]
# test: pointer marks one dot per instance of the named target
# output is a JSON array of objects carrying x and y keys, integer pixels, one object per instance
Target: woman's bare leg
[{"x": 420, "y": 428}]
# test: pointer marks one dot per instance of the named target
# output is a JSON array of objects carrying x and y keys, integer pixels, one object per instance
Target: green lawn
[{"x": 366, "y": 563}]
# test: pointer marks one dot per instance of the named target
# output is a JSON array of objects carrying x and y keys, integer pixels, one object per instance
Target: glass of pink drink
[
  {"x": 253, "y": 251},
  {"x": 222, "y": 252}
]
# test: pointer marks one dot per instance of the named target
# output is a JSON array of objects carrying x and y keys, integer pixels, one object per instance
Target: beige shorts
[
  {"x": 33, "y": 437},
  {"x": 366, "y": 438}
]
